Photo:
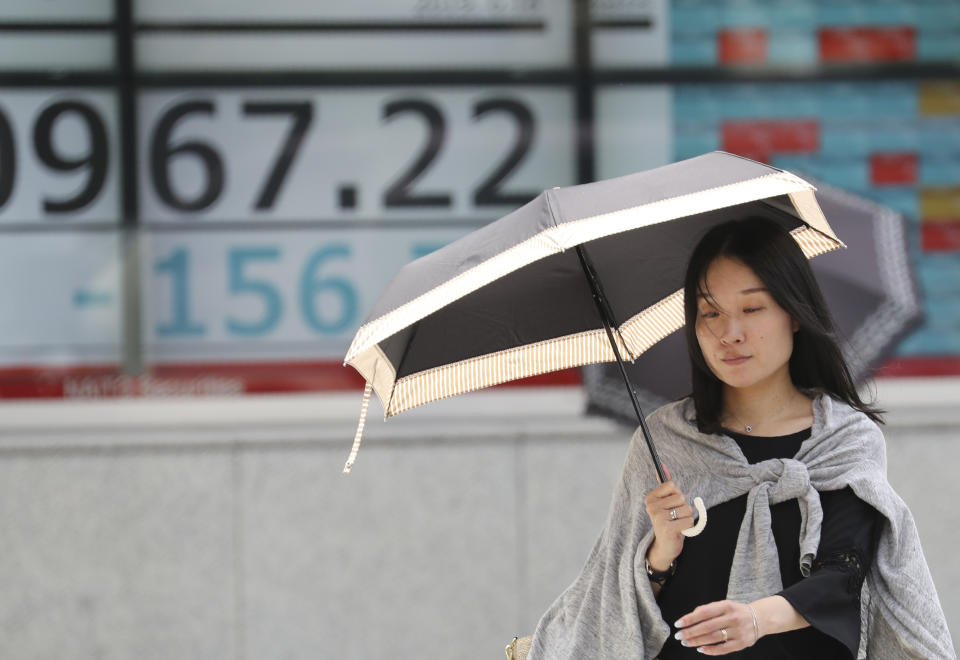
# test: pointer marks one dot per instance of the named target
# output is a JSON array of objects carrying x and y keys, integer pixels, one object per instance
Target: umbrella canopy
[
  {"x": 869, "y": 288},
  {"x": 510, "y": 300}
]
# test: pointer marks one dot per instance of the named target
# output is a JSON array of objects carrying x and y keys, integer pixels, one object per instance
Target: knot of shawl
[
  {"x": 755, "y": 572},
  {"x": 782, "y": 479}
]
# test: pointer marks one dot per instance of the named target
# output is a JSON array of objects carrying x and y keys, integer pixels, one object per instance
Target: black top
[{"x": 829, "y": 599}]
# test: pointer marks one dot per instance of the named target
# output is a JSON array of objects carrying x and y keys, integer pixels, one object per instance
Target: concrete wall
[{"x": 224, "y": 529}]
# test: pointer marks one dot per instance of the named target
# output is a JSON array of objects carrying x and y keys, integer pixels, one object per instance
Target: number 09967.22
[{"x": 164, "y": 152}]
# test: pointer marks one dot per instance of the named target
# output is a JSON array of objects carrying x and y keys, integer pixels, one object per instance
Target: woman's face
[{"x": 745, "y": 336}]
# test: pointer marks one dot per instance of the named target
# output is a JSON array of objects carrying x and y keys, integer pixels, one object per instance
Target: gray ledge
[{"x": 555, "y": 412}]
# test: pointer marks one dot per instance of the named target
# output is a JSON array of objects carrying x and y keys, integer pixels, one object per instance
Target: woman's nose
[{"x": 732, "y": 332}]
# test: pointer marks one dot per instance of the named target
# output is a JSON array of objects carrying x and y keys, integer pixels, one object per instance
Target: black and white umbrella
[
  {"x": 869, "y": 288},
  {"x": 580, "y": 275}
]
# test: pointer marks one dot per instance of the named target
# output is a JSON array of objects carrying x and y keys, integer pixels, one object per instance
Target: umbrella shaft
[{"x": 606, "y": 315}]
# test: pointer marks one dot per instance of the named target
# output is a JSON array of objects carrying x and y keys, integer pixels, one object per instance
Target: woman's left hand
[{"x": 704, "y": 628}]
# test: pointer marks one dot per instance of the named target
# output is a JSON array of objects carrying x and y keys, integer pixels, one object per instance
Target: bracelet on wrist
[
  {"x": 660, "y": 577},
  {"x": 756, "y": 624}
]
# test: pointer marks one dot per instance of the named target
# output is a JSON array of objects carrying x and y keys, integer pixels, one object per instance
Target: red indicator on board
[
  {"x": 920, "y": 366},
  {"x": 940, "y": 235},
  {"x": 760, "y": 139},
  {"x": 893, "y": 169},
  {"x": 205, "y": 379},
  {"x": 742, "y": 46},
  {"x": 46, "y": 382},
  {"x": 867, "y": 44}
]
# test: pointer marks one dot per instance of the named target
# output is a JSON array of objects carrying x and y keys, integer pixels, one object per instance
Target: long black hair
[{"x": 766, "y": 247}]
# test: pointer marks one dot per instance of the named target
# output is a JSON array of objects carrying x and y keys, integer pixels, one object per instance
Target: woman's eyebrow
[{"x": 755, "y": 289}]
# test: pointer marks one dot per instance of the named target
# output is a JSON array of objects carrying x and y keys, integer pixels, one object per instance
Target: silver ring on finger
[
  {"x": 723, "y": 631},
  {"x": 673, "y": 514}
]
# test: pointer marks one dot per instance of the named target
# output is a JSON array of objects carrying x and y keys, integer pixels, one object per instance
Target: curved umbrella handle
[{"x": 701, "y": 520}]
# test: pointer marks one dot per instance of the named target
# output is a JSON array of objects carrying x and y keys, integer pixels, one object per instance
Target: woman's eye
[
  {"x": 748, "y": 310},
  {"x": 709, "y": 314}
]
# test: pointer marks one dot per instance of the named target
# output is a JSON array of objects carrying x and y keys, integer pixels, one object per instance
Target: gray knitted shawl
[{"x": 609, "y": 612}]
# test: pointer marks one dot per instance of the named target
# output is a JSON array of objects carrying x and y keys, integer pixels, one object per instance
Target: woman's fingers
[
  {"x": 672, "y": 502},
  {"x": 664, "y": 496},
  {"x": 722, "y": 649},
  {"x": 664, "y": 518},
  {"x": 717, "y": 628},
  {"x": 684, "y": 512},
  {"x": 708, "y": 632},
  {"x": 702, "y": 613},
  {"x": 666, "y": 489},
  {"x": 730, "y": 646},
  {"x": 666, "y": 506},
  {"x": 670, "y": 515}
]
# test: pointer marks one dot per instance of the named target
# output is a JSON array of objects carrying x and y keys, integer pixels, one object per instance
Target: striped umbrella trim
[
  {"x": 503, "y": 366},
  {"x": 582, "y": 230},
  {"x": 635, "y": 336},
  {"x": 654, "y": 323},
  {"x": 566, "y": 236},
  {"x": 813, "y": 243}
]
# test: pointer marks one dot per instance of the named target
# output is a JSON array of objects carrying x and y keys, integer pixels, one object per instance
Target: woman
[{"x": 791, "y": 463}]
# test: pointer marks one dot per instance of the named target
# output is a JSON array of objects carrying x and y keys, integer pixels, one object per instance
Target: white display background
[
  {"x": 633, "y": 46},
  {"x": 634, "y": 128},
  {"x": 547, "y": 43},
  {"x": 56, "y": 10},
  {"x": 60, "y": 51},
  {"x": 62, "y": 298},
  {"x": 356, "y": 10}
]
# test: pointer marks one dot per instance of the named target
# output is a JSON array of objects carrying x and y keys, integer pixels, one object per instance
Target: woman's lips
[{"x": 740, "y": 359}]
